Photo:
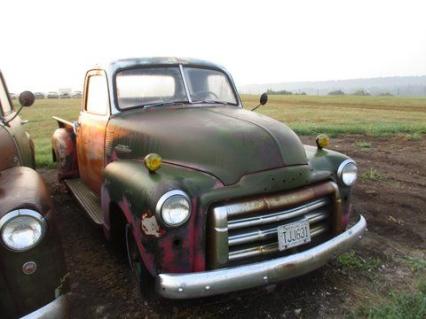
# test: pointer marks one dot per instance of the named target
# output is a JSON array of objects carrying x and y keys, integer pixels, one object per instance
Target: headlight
[
  {"x": 348, "y": 172},
  {"x": 22, "y": 229},
  {"x": 174, "y": 208}
]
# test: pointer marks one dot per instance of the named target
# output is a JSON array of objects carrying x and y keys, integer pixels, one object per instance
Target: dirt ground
[{"x": 390, "y": 193}]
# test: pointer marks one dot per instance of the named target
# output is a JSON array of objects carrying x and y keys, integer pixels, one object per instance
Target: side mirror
[
  {"x": 26, "y": 98},
  {"x": 263, "y": 100}
]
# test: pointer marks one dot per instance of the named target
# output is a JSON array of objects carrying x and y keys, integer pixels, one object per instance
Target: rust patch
[
  {"x": 63, "y": 143},
  {"x": 150, "y": 226}
]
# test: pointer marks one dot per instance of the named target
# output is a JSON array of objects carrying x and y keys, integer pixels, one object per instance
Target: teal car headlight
[
  {"x": 174, "y": 208},
  {"x": 348, "y": 172},
  {"x": 22, "y": 229}
]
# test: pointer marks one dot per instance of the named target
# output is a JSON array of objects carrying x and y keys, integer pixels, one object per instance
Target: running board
[{"x": 86, "y": 198}]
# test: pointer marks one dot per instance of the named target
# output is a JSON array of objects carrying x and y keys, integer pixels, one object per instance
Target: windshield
[
  {"x": 157, "y": 86},
  {"x": 144, "y": 86},
  {"x": 210, "y": 85},
  {"x": 4, "y": 100}
]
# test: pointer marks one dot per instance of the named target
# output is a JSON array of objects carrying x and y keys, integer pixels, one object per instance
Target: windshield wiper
[
  {"x": 165, "y": 103},
  {"x": 213, "y": 102}
]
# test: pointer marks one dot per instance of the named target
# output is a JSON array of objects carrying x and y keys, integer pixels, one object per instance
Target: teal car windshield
[
  {"x": 5, "y": 106},
  {"x": 159, "y": 86}
]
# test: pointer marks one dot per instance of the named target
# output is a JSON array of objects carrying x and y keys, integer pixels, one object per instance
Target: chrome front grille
[{"x": 247, "y": 229}]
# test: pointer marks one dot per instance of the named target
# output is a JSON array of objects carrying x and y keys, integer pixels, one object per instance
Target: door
[{"x": 91, "y": 130}]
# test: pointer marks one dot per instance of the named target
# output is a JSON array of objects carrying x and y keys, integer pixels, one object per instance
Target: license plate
[{"x": 294, "y": 234}]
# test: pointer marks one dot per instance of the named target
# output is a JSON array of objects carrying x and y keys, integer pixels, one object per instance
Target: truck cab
[{"x": 207, "y": 196}]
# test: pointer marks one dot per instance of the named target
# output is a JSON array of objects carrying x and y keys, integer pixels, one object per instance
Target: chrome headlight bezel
[
  {"x": 9, "y": 217},
  {"x": 341, "y": 171},
  {"x": 163, "y": 199}
]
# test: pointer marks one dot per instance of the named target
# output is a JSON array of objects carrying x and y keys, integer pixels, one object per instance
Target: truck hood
[{"x": 227, "y": 142}]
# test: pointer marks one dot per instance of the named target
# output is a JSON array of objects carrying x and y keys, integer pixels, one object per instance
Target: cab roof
[{"x": 126, "y": 63}]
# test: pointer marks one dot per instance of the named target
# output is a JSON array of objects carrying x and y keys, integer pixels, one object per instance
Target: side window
[{"x": 97, "y": 95}]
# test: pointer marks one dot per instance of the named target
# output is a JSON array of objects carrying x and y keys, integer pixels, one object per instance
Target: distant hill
[{"x": 398, "y": 85}]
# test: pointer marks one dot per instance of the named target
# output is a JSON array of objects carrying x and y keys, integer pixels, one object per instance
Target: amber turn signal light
[
  {"x": 322, "y": 141},
  {"x": 152, "y": 162}
]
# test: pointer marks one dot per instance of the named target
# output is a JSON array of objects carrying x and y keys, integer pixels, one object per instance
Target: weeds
[
  {"x": 351, "y": 260},
  {"x": 412, "y": 137},
  {"x": 416, "y": 264},
  {"x": 372, "y": 175},
  {"x": 363, "y": 144},
  {"x": 400, "y": 305}
]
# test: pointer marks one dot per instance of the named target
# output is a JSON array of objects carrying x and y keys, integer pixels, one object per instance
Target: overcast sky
[{"x": 47, "y": 45}]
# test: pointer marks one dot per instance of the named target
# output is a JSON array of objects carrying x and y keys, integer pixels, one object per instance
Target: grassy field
[
  {"x": 307, "y": 115},
  {"x": 41, "y": 125}
]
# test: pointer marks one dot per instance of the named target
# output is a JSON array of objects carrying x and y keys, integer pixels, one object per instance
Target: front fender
[
  {"x": 22, "y": 187},
  {"x": 128, "y": 184},
  {"x": 325, "y": 160}
]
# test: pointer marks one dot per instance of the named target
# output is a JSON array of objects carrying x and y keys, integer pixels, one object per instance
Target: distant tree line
[
  {"x": 283, "y": 92},
  {"x": 360, "y": 92},
  {"x": 357, "y": 93}
]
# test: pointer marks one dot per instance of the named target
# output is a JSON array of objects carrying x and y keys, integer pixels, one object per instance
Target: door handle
[{"x": 75, "y": 126}]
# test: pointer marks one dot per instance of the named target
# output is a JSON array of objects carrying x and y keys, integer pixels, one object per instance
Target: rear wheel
[{"x": 144, "y": 280}]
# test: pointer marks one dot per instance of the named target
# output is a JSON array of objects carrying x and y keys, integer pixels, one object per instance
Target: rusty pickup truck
[
  {"x": 32, "y": 266},
  {"x": 205, "y": 196}
]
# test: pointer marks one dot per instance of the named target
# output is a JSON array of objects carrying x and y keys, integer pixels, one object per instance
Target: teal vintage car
[
  {"x": 206, "y": 196},
  {"x": 32, "y": 266}
]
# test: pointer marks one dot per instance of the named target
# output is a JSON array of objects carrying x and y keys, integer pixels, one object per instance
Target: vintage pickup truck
[
  {"x": 32, "y": 267},
  {"x": 208, "y": 197}
]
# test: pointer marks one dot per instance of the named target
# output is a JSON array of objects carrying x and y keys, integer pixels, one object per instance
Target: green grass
[
  {"x": 41, "y": 125},
  {"x": 334, "y": 115},
  {"x": 405, "y": 301},
  {"x": 416, "y": 264},
  {"x": 363, "y": 144},
  {"x": 399, "y": 305},
  {"x": 352, "y": 261},
  {"x": 307, "y": 115},
  {"x": 413, "y": 136},
  {"x": 372, "y": 174}
]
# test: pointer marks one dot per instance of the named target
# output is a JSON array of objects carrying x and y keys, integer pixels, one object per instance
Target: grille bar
[
  {"x": 235, "y": 255},
  {"x": 270, "y": 232},
  {"x": 278, "y": 216},
  {"x": 245, "y": 228}
]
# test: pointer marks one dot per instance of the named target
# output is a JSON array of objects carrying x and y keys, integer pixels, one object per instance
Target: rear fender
[{"x": 64, "y": 150}]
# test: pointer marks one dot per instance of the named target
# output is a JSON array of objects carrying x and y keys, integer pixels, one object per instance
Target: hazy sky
[{"x": 47, "y": 45}]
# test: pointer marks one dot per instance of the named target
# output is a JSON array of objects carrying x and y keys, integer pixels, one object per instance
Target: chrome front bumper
[
  {"x": 57, "y": 309},
  {"x": 209, "y": 283}
]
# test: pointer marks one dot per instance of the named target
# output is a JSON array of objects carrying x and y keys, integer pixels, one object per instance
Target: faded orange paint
[{"x": 91, "y": 149}]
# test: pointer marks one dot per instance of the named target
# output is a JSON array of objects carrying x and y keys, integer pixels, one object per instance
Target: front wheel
[{"x": 142, "y": 277}]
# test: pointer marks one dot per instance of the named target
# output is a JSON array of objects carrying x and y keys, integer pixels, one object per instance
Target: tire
[{"x": 143, "y": 279}]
